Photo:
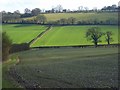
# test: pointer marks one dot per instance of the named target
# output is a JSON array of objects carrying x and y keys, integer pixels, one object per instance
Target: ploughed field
[
  {"x": 22, "y": 33},
  {"x": 72, "y": 35},
  {"x": 67, "y": 67}
]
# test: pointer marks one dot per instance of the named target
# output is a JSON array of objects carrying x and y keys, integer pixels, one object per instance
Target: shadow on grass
[{"x": 23, "y": 25}]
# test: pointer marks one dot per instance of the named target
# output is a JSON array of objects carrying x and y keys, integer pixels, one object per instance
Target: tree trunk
[
  {"x": 96, "y": 44},
  {"x": 108, "y": 42}
]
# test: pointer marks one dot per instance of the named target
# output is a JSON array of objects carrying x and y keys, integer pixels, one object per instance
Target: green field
[
  {"x": 22, "y": 33},
  {"x": 80, "y": 16},
  {"x": 66, "y": 68},
  {"x": 72, "y": 35}
]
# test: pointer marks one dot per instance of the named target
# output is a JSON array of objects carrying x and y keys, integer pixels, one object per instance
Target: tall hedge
[{"x": 6, "y": 45}]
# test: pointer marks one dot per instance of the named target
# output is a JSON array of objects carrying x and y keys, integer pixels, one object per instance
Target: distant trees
[
  {"x": 71, "y": 20},
  {"x": 63, "y": 21},
  {"x": 111, "y": 21},
  {"x": 35, "y": 11},
  {"x": 30, "y": 13},
  {"x": 94, "y": 34},
  {"x": 27, "y": 11},
  {"x": 83, "y": 9},
  {"x": 17, "y": 12},
  {"x": 17, "y": 17},
  {"x": 108, "y": 36},
  {"x": 58, "y": 8},
  {"x": 9, "y": 17},
  {"x": 6, "y": 45},
  {"x": 41, "y": 19},
  {"x": 112, "y": 8}
]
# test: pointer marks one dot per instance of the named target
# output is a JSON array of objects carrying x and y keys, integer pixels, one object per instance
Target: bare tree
[
  {"x": 59, "y": 8},
  {"x": 94, "y": 34}
]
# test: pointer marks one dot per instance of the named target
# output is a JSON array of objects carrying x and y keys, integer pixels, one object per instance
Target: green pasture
[
  {"x": 68, "y": 68},
  {"x": 22, "y": 33},
  {"x": 72, "y": 35}
]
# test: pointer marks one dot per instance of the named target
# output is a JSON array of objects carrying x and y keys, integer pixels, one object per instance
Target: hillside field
[
  {"x": 64, "y": 68},
  {"x": 72, "y": 35},
  {"x": 22, "y": 33},
  {"x": 80, "y": 16}
]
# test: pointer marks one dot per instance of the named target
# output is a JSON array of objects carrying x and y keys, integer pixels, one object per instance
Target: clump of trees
[
  {"x": 30, "y": 13},
  {"x": 94, "y": 34},
  {"x": 40, "y": 19},
  {"x": 6, "y": 45}
]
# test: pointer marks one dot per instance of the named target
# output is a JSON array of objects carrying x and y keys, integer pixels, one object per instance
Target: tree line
[
  {"x": 17, "y": 17},
  {"x": 74, "y": 21},
  {"x": 41, "y": 19}
]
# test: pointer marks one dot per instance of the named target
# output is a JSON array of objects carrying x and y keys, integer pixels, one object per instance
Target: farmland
[
  {"x": 19, "y": 33},
  {"x": 61, "y": 67},
  {"x": 80, "y": 16},
  {"x": 66, "y": 67},
  {"x": 72, "y": 35},
  {"x": 56, "y": 36}
]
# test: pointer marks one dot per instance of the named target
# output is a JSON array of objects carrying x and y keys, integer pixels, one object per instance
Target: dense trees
[
  {"x": 9, "y": 17},
  {"x": 110, "y": 8},
  {"x": 6, "y": 45},
  {"x": 35, "y": 11},
  {"x": 41, "y": 19},
  {"x": 94, "y": 34}
]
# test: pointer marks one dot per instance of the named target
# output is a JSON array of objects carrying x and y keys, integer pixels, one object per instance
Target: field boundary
[
  {"x": 80, "y": 46},
  {"x": 61, "y": 24},
  {"x": 40, "y": 35}
]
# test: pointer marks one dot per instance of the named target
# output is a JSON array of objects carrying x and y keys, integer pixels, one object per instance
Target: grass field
[
  {"x": 72, "y": 35},
  {"x": 67, "y": 67},
  {"x": 80, "y": 16},
  {"x": 19, "y": 33}
]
